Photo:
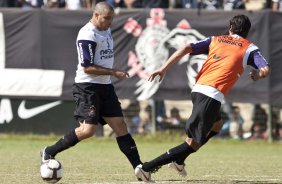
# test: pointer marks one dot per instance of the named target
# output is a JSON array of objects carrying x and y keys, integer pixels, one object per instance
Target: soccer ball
[{"x": 51, "y": 171}]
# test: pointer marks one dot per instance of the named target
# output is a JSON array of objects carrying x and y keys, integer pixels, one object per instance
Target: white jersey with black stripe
[{"x": 94, "y": 47}]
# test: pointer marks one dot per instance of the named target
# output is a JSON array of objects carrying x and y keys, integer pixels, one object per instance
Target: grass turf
[{"x": 98, "y": 160}]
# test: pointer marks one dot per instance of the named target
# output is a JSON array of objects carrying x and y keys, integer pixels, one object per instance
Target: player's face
[{"x": 104, "y": 21}]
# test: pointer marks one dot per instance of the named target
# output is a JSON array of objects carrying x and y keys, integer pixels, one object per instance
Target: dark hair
[{"x": 240, "y": 25}]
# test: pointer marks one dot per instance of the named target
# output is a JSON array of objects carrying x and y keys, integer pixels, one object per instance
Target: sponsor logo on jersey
[
  {"x": 230, "y": 41},
  {"x": 106, "y": 54}
]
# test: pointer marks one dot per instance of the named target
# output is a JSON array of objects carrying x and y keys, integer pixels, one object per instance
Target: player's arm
[
  {"x": 175, "y": 57},
  {"x": 87, "y": 54},
  {"x": 99, "y": 70},
  {"x": 200, "y": 47},
  {"x": 260, "y": 65}
]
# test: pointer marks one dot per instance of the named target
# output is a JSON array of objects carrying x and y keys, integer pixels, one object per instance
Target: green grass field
[{"x": 98, "y": 160}]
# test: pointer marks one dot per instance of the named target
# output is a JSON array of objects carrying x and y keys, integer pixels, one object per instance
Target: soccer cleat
[
  {"x": 44, "y": 156},
  {"x": 142, "y": 175},
  {"x": 179, "y": 168}
]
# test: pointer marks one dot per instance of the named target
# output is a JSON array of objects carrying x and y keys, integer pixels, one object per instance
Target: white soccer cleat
[
  {"x": 179, "y": 168},
  {"x": 141, "y": 174}
]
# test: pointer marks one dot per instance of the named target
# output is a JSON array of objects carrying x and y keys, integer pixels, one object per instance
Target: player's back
[{"x": 224, "y": 64}]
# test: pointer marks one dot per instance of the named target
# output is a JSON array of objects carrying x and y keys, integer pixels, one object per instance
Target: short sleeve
[
  {"x": 201, "y": 47},
  {"x": 86, "y": 50}
]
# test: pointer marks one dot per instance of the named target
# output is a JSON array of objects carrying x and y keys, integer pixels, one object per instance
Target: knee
[
  {"x": 217, "y": 126},
  {"x": 193, "y": 144},
  {"x": 84, "y": 132},
  {"x": 88, "y": 133}
]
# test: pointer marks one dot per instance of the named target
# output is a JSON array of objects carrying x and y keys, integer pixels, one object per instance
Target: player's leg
[
  {"x": 215, "y": 129},
  {"x": 124, "y": 140},
  {"x": 197, "y": 128},
  {"x": 178, "y": 165},
  {"x": 112, "y": 114},
  {"x": 127, "y": 145},
  {"x": 86, "y": 112},
  {"x": 179, "y": 152},
  {"x": 203, "y": 124},
  {"x": 84, "y": 131}
]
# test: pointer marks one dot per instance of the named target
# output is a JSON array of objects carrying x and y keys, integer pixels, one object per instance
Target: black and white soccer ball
[{"x": 51, "y": 171}]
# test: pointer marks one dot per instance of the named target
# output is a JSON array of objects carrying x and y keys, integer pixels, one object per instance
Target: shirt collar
[{"x": 236, "y": 36}]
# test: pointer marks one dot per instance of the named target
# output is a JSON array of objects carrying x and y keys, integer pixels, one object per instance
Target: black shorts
[
  {"x": 94, "y": 101},
  {"x": 206, "y": 111}
]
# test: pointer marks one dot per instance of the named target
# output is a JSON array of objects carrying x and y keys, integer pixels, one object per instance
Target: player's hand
[
  {"x": 155, "y": 74},
  {"x": 121, "y": 74},
  {"x": 254, "y": 74},
  {"x": 260, "y": 74}
]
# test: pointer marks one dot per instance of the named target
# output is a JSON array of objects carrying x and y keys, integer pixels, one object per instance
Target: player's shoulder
[
  {"x": 252, "y": 47},
  {"x": 86, "y": 33}
]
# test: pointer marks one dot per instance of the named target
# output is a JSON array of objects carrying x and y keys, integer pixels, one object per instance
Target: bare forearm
[
  {"x": 99, "y": 70},
  {"x": 176, "y": 56}
]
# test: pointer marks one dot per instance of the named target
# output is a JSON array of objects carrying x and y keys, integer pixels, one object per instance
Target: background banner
[
  {"x": 40, "y": 52},
  {"x": 36, "y": 116}
]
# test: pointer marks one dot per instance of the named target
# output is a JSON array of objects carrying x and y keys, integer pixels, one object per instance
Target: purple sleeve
[
  {"x": 86, "y": 52},
  {"x": 201, "y": 47},
  {"x": 256, "y": 60}
]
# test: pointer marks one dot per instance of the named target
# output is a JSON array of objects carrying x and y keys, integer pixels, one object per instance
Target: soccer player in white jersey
[{"x": 94, "y": 95}]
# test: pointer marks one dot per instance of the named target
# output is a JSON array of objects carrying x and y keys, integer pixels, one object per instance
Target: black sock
[
  {"x": 181, "y": 160},
  {"x": 183, "y": 157},
  {"x": 64, "y": 143},
  {"x": 179, "y": 152},
  {"x": 128, "y": 147}
]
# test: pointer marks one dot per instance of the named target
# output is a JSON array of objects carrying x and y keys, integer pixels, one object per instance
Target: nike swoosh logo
[
  {"x": 25, "y": 113},
  {"x": 216, "y": 57}
]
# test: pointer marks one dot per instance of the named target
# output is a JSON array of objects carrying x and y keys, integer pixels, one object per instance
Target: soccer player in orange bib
[{"x": 228, "y": 55}]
